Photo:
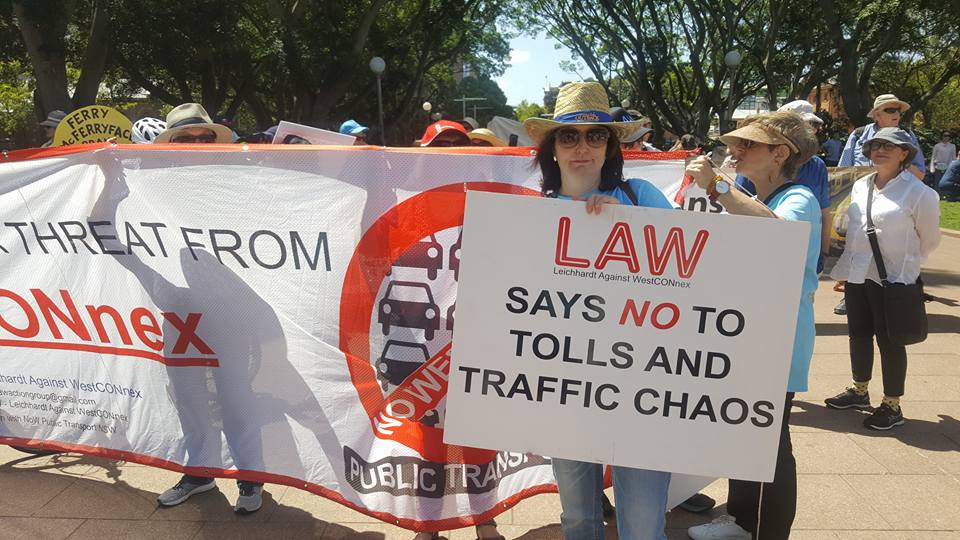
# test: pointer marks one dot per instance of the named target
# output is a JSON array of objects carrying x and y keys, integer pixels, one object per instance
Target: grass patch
[{"x": 950, "y": 215}]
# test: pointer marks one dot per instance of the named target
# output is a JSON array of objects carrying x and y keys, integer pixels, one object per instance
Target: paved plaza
[{"x": 853, "y": 484}]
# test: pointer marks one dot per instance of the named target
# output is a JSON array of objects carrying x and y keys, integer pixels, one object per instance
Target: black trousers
[
  {"x": 779, "y": 505},
  {"x": 865, "y": 320}
]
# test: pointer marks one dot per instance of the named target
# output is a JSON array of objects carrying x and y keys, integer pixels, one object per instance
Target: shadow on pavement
[
  {"x": 924, "y": 434},
  {"x": 937, "y": 323}
]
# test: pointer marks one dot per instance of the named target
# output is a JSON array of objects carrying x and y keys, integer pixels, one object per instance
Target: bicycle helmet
[{"x": 145, "y": 130}]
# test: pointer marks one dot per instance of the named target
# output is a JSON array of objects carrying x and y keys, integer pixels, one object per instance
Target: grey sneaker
[
  {"x": 722, "y": 528},
  {"x": 884, "y": 418},
  {"x": 184, "y": 489},
  {"x": 250, "y": 499},
  {"x": 848, "y": 399}
]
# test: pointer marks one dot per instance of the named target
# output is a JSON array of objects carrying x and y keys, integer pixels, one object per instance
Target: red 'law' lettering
[
  {"x": 686, "y": 262},
  {"x": 620, "y": 235},
  {"x": 563, "y": 240},
  {"x": 620, "y": 246}
]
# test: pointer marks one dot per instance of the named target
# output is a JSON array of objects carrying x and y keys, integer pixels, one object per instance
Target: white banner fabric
[{"x": 273, "y": 313}]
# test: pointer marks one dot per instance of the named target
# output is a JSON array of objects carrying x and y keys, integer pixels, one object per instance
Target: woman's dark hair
[{"x": 611, "y": 174}]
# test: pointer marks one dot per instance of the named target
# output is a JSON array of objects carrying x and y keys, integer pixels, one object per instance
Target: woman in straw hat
[
  {"x": 907, "y": 215},
  {"x": 580, "y": 158},
  {"x": 769, "y": 149}
]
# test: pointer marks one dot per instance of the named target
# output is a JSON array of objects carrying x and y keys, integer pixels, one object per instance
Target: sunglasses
[
  {"x": 194, "y": 138},
  {"x": 596, "y": 138},
  {"x": 746, "y": 144},
  {"x": 886, "y": 145},
  {"x": 892, "y": 110}
]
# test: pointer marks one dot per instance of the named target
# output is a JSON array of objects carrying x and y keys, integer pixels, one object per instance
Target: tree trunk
[
  {"x": 95, "y": 58},
  {"x": 47, "y": 54}
]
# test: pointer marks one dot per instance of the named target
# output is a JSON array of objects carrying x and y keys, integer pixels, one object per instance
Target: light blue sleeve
[
  {"x": 798, "y": 204},
  {"x": 648, "y": 194},
  {"x": 846, "y": 158}
]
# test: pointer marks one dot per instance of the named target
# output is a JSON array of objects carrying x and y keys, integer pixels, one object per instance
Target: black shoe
[
  {"x": 841, "y": 308},
  {"x": 698, "y": 503},
  {"x": 609, "y": 512},
  {"x": 884, "y": 418},
  {"x": 848, "y": 399}
]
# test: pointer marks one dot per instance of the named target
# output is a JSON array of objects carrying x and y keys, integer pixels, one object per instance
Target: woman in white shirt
[{"x": 906, "y": 215}]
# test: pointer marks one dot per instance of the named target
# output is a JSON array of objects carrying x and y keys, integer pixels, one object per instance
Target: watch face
[{"x": 722, "y": 187}]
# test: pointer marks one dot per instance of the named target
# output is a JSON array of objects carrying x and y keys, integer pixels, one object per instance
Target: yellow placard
[{"x": 92, "y": 124}]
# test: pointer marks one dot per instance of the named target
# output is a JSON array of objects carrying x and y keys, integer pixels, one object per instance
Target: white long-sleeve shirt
[
  {"x": 906, "y": 214},
  {"x": 943, "y": 154}
]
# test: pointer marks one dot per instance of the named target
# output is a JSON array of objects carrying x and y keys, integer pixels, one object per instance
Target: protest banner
[
  {"x": 293, "y": 133},
  {"x": 271, "y": 313},
  {"x": 632, "y": 338},
  {"x": 93, "y": 124}
]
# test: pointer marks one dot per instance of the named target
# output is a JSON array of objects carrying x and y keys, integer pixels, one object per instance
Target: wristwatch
[{"x": 720, "y": 187}]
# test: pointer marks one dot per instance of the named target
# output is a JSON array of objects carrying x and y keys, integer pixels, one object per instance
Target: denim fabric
[{"x": 641, "y": 499}]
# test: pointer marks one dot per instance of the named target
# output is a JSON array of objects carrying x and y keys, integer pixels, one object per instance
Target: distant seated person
[
  {"x": 354, "y": 129},
  {"x": 445, "y": 133},
  {"x": 485, "y": 137},
  {"x": 189, "y": 123},
  {"x": 949, "y": 186}
]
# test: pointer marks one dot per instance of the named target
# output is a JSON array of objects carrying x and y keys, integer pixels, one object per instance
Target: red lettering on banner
[
  {"x": 630, "y": 308},
  {"x": 48, "y": 309},
  {"x": 142, "y": 320},
  {"x": 686, "y": 262},
  {"x": 188, "y": 333},
  {"x": 563, "y": 240},
  {"x": 96, "y": 315},
  {"x": 619, "y": 236},
  {"x": 33, "y": 324},
  {"x": 142, "y": 329}
]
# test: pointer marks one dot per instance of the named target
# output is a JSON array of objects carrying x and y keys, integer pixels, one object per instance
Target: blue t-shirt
[
  {"x": 647, "y": 194},
  {"x": 833, "y": 148},
  {"x": 812, "y": 174},
  {"x": 853, "y": 151},
  {"x": 797, "y": 203}
]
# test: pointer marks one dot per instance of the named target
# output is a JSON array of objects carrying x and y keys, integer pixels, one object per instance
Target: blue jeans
[{"x": 641, "y": 498}]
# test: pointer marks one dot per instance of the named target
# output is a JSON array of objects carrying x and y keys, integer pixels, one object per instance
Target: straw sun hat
[
  {"x": 191, "y": 115},
  {"x": 579, "y": 103}
]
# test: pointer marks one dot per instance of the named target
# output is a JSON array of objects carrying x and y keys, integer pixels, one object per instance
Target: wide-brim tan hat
[
  {"x": 189, "y": 116},
  {"x": 760, "y": 134},
  {"x": 886, "y": 100},
  {"x": 485, "y": 134},
  {"x": 579, "y": 103}
]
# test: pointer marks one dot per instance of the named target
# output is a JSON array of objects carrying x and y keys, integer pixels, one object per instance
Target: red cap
[{"x": 439, "y": 127}]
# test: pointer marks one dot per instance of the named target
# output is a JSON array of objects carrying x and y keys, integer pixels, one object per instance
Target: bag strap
[
  {"x": 872, "y": 236},
  {"x": 625, "y": 187}
]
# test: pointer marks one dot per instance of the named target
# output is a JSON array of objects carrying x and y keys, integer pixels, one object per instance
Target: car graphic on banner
[
  {"x": 426, "y": 254},
  {"x": 421, "y": 313},
  {"x": 398, "y": 360}
]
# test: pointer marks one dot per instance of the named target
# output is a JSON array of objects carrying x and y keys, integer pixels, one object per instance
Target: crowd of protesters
[{"x": 781, "y": 174}]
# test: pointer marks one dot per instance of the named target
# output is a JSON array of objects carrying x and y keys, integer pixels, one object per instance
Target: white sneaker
[
  {"x": 250, "y": 499},
  {"x": 722, "y": 528}
]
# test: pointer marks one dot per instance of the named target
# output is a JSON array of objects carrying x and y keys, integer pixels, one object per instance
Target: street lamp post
[
  {"x": 377, "y": 65},
  {"x": 732, "y": 60}
]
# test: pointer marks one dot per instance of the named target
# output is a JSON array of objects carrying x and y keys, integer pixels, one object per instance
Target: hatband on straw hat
[{"x": 583, "y": 103}]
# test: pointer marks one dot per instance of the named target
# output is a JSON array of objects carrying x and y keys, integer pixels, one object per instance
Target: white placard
[
  {"x": 579, "y": 336},
  {"x": 312, "y": 134}
]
